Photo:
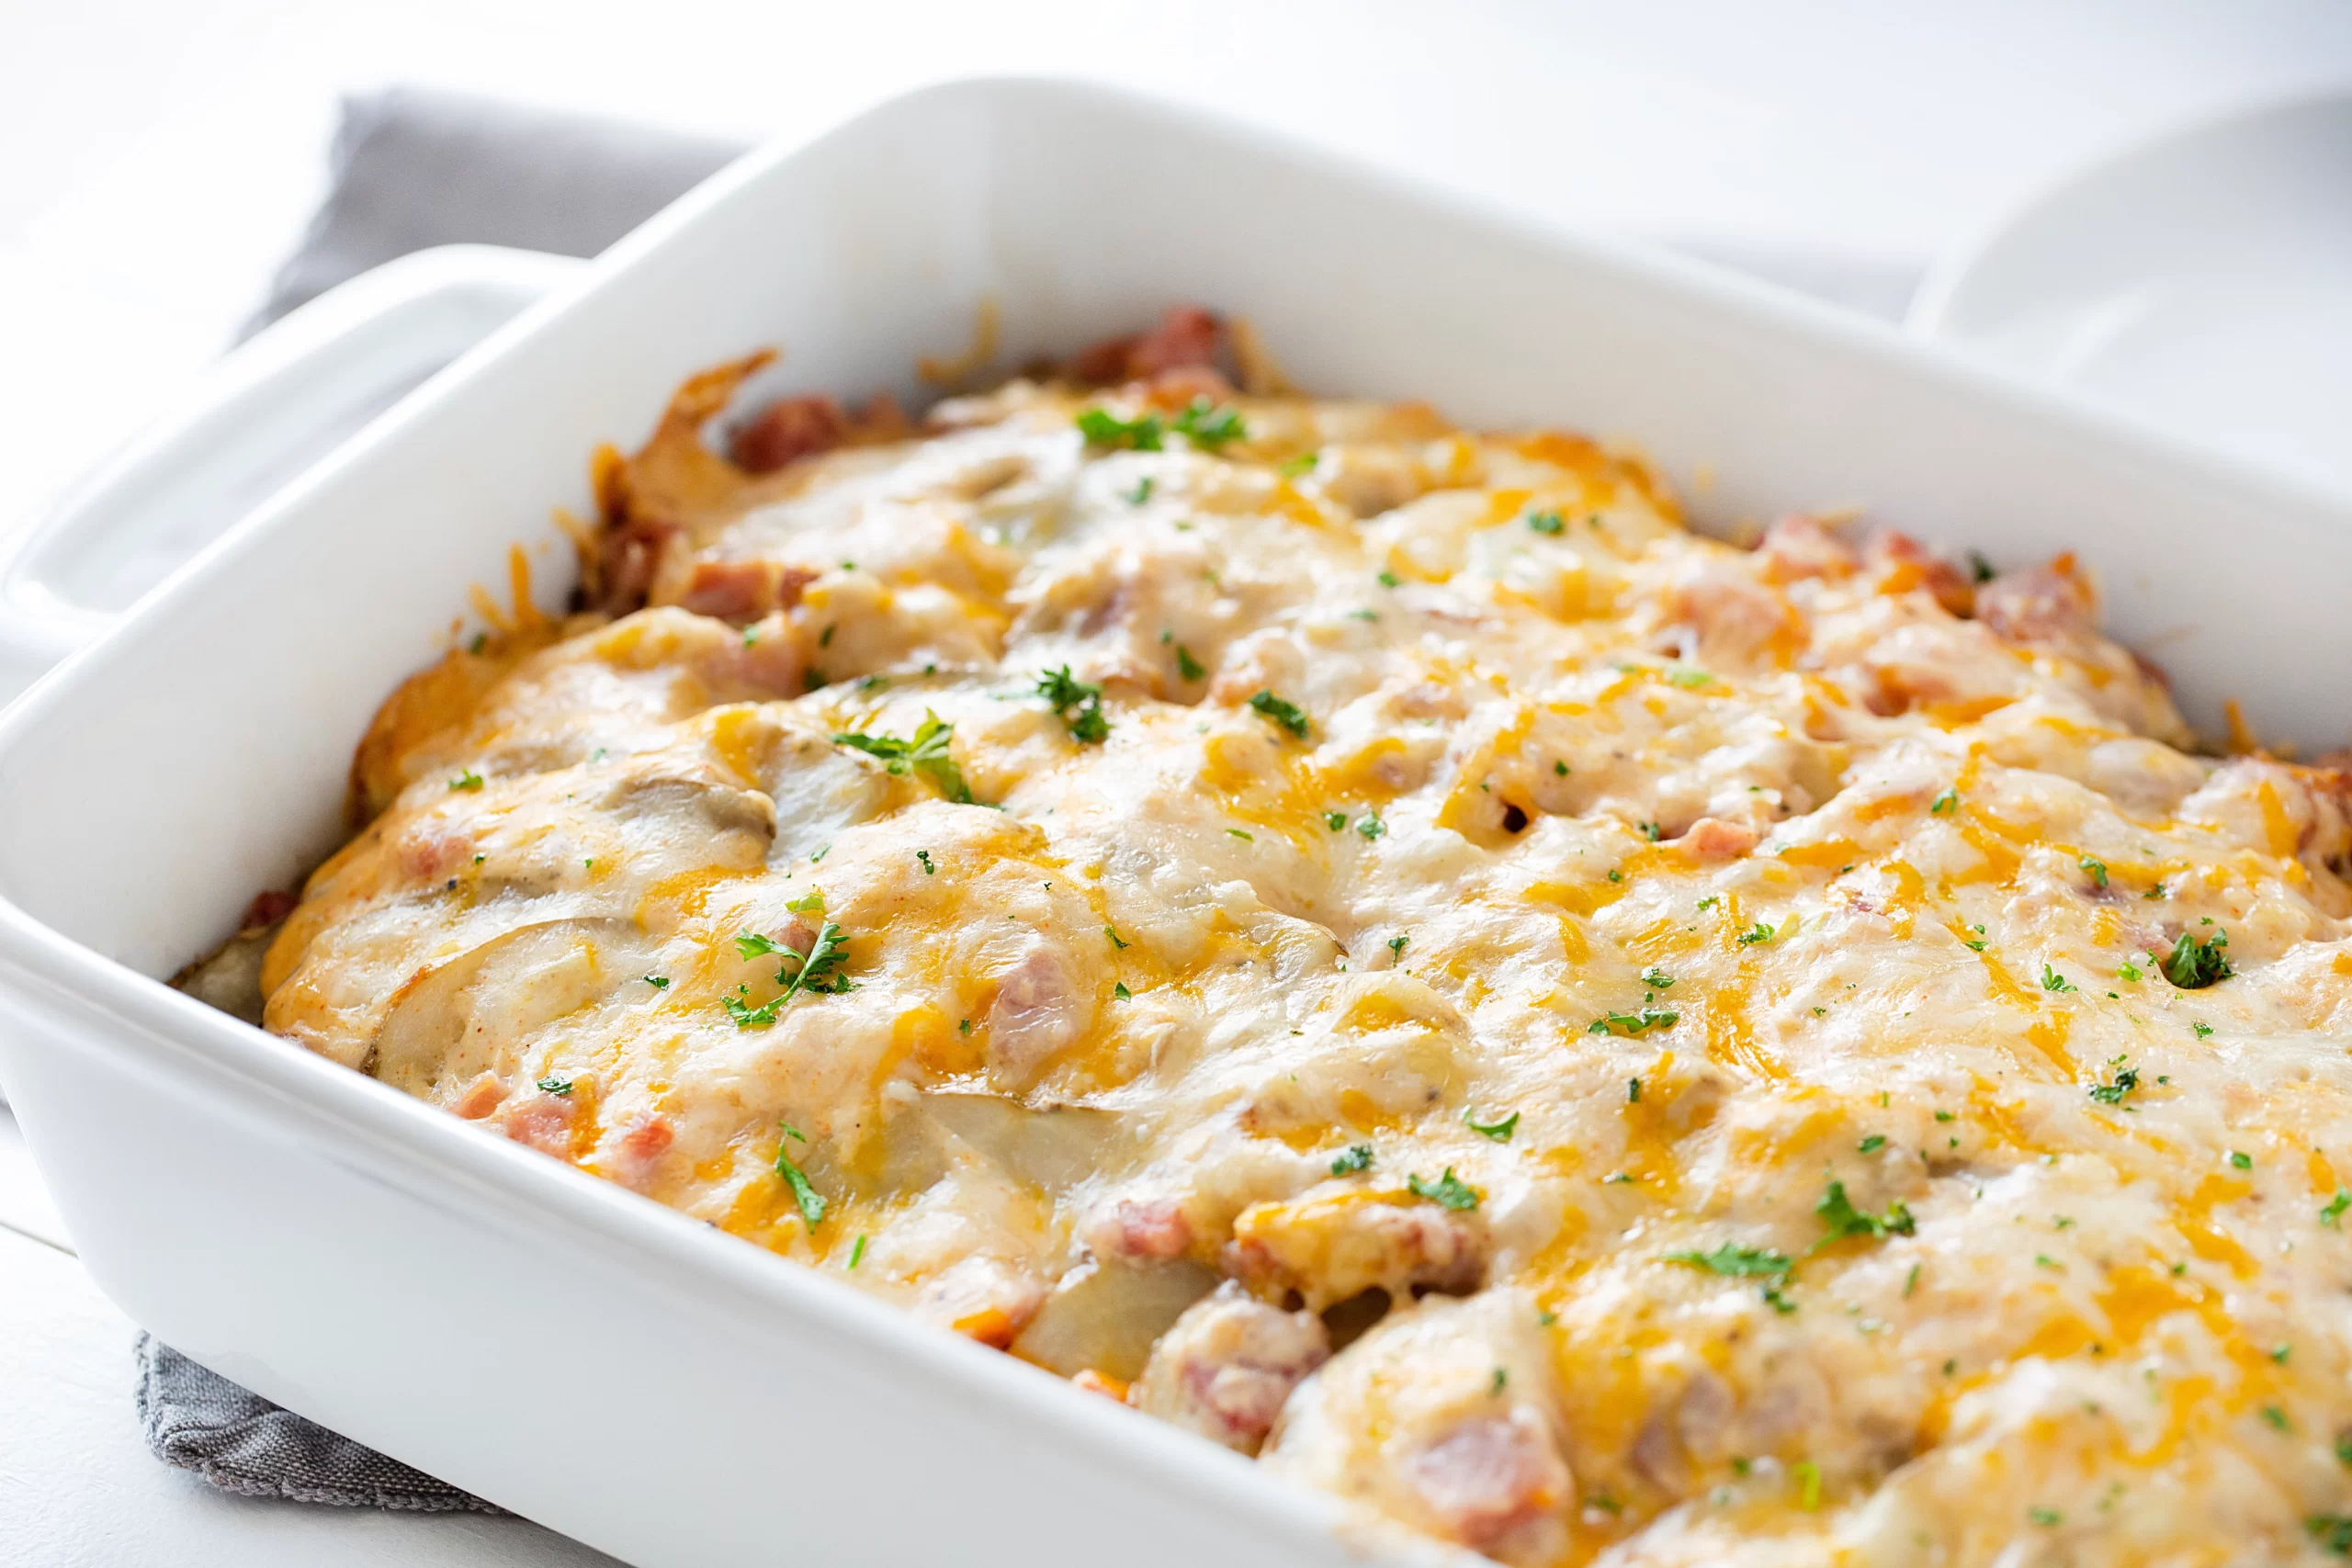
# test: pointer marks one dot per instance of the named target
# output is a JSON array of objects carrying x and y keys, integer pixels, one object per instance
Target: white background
[{"x": 157, "y": 157}]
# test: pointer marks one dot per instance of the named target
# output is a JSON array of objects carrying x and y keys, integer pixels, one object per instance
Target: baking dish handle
[{"x": 256, "y": 420}]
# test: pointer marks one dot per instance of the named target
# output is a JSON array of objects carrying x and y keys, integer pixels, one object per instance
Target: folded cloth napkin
[{"x": 413, "y": 169}]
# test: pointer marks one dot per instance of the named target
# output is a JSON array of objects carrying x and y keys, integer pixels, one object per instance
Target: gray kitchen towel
[
  {"x": 411, "y": 169},
  {"x": 414, "y": 169},
  {"x": 240, "y": 1443}
]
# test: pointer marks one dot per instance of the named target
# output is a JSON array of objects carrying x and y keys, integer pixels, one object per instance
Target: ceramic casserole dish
[{"x": 606, "y": 1366}]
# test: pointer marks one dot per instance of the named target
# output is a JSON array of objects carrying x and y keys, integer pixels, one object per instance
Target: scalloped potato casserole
[{"x": 1369, "y": 941}]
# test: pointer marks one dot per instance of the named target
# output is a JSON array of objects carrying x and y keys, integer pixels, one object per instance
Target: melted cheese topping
[{"x": 1721, "y": 1051}]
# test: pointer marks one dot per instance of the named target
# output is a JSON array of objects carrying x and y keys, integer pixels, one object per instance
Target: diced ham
[
  {"x": 786, "y": 431},
  {"x": 1139, "y": 1228},
  {"x": 1798, "y": 547},
  {"x": 649, "y": 1136},
  {"x": 541, "y": 1120},
  {"x": 1186, "y": 336},
  {"x": 2049, "y": 604},
  {"x": 1735, "y": 616},
  {"x": 1904, "y": 564},
  {"x": 267, "y": 909},
  {"x": 481, "y": 1097},
  {"x": 1226, "y": 1367},
  {"x": 1489, "y": 1476},
  {"x": 428, "y": 851},
  {"x": 743, "y": 590},
  {"x": 1037, "y": 1013},
  {"x": 1711, "y": 837}
]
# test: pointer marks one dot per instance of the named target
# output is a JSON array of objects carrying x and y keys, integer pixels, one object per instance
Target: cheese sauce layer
[{"x": 1369, "y": 941}]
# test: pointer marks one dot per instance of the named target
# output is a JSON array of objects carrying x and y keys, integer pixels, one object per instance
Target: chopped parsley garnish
[
  {"x": 1872, "y": 1145},
  {"x": 1247, "y": 839},
  {"x": 1560, "y": 768},
  {"x": 1688, "y": 677},
  {"x": 2095, "y": 867},
  {"x": 1388, "y": 579},
  {"x": 1945, "y": 804},
  {"x": 482, "y": 640},
  {"x": 658, "y": 982},
  {"x": 2241, "y": 1161},
  {"x": 1141, "y": 493},
  {"x": 812, "y": 1202},
  {"x": 1335, "y": 821},
  {"x": 1078, "y": 703},
  {"x": 2127, "y": 970},
  {"x": 1979, "y": 567},
  {"x": 2155, "y": 892},
  {"x": 926, "y": 754},
  {"x": 1372, "y": 827},
  {"x": 2054, "y": 981},
  {"x": 1396, "y": 947},
  {"x": 468, "y": 780},
  {"x": 1357, "y": 1157},
  {"x": 1210, "y": 425},
  {"x": 2332, "y": 1214},
  {"x": 1808, "y": 1476},
  {"x": 809, "y": 903},
  {"x": 1650, "y": 1017},
  {"x": 1495, "y": 1384},
  {"x": 1103, "y": 428},
  {"x": 818, "y": 969},
  {"x": 1190, "y": 667},
  {"x": 1632, "y": 1091},
  {"x": 555, "y": 1086},
  {"x": 1288, "y": 715},
  {"x": 1119, "y": 991},
  {"x": 2276, "y": 1418},
  {"x": 2045, "y": 1517},
  {"x": 923, "y": 856},
  {"x": 1709, "y": 902},
  {"x": 2126, "y": 1080},
  {"x": 1656, "y": 978},
  {"x": 857, "y": 1252},
  {"x": 1499, "y": 1130},
  {"x": 1736, "y": 1261},
  {"x": 1546, "y": 522},
  {"x": 2333, "y": 1532},
  {"x": 1292, "y": 467},
  {"x": 2204, "y": 1031},
  {"x": 1759, "y": 932},
  {"x": 1118, "y": 941},
  {"x": 1650, "y": 830},
  {"x": 1448, "y": 1191},
  {"x": 2194, "y": 965},
  {"x": 1838, "y": 1211}
]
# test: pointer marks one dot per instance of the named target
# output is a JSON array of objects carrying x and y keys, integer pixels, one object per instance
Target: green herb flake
[
  {"x": 922, "y": 857},
  {"x": 1078, "y": 703},
  {"x": 2194, "y": 965},
  {"x": 926, "y": 754},
  {"x": 2046, "y": 1518},
  {"x": 1103, "y": 428},
  {"x": 2127, "y": 970},
  {"x": 2241, "y": 1161},
  {"x": 658, "y": 982},
  {"x": 1838, "y": 1211},
  {"x": 1808, "y": 1479},
  {"x": 2332, "y": 1214},
  {"x": 1210, "y": 426},
  {"x": 812, "y": 1202},
  {"x": 1650, "y": 1017},
  {"x": 2331, "y": 1533},
  {"x": 2095, "y": 867},
  {"x": 1945, "y": 804},
  {"x": 1141, "y": 493},
  {"x": 1688, "y": 677},
  {"x": 2275, "y": 1419},
  {"x": 1546, "y": 522},
  {"x": 1448, "y": 1191},
  {"x": 1118, "y": 942},
  {"x": 1286, "y": 713},
  {"x": 819, "y": 969},
  {"x": 1499, "y": 1130},
  {"x": 1292, "y": 467},
  {"x": 2203, "y": 1030},
  {"x": 1356, "y": 1158},
  {"x": 2054, "y": 981},
  {"x": 857, "y": 1251},
  {"x": 1872, "y": 1145},
  {"x": 1388, "y": 579},
  {"x": 1738, "y": 1263},
  {"x": 1656, "y": 978},
  {"x": 1372, "y": 827},
  {"x": 1245, "y": 837},
  {"x": 1757, "y": 934},
  {"x": 468, "y": 780},
  {"x": 1190, "y": 667},
  {"x": 2127, "y": 1079},
  {"x": 1119, "y": 991},
  {"x": 555, "y": 1086},
  {"x": 1335, "y": 821}
]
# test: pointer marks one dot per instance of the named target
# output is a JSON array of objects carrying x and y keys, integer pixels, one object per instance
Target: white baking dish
[{"x": 604, "y": 1365}]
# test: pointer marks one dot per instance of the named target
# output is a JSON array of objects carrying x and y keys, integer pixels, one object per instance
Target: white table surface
[{"x": 158, "y": 156}]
